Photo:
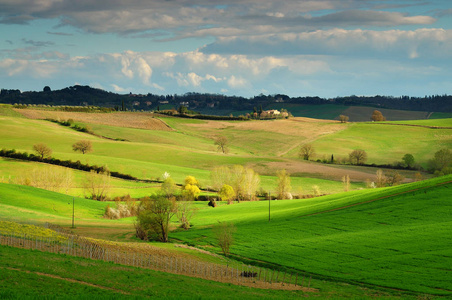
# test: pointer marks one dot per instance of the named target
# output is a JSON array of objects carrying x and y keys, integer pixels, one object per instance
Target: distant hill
[{"x": 217, "y": 104}]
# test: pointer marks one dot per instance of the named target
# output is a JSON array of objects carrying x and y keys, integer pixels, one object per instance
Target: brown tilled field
[{"x": 120, "y": 119}]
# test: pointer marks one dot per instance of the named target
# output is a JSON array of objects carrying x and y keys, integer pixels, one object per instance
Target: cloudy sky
[{"x": 321, "y": 48}]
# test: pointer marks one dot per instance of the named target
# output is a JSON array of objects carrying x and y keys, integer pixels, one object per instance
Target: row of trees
[
  {"x": 83, "y": 146},
  {"x": 440, "y": 164},
  {"x": 376, "y": 116},
  {"x": 85, "y": 95}
]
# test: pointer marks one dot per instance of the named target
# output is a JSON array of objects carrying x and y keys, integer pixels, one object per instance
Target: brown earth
[{"x": 120, "y": 119}]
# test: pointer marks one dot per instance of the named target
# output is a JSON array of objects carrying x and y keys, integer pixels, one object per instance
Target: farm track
[
  {"x": 67, "y": 279},
  {"x": 373, "y": 200}
]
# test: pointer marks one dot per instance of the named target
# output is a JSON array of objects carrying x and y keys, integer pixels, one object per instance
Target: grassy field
[
  {"x": 389, "y": 238},
  {"x": 33, "y": 274},
  {"x": 386, "y": 143},
  {"x": 376, "y": 243},
  {"x": 372, "y": 236}
]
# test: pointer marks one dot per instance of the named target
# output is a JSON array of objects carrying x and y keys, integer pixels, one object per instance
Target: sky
[{"x": 323, "y": 48}]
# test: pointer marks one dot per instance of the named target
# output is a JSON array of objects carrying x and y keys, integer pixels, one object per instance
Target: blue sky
[{"x": 321, "y": 48}]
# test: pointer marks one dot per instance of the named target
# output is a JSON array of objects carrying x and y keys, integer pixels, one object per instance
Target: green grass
[
  {"x": 23, "y": 202},
  {"x": 7, "y": 110},
  {"x": 34, "y": 274},
  {"x": 433, "y": 122},
  {"x": 401, "y": 241},
  {"x": 385, "y": 143}
]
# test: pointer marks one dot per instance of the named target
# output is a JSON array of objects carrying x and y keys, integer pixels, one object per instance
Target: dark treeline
[{"x": 87, "y": 96}]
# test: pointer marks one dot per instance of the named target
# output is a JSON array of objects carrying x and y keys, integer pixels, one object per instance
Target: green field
[
  {"x": 375, "y": 243},
  {"x": 28, "y": 274},
  {"x": 392, "y": 241}
]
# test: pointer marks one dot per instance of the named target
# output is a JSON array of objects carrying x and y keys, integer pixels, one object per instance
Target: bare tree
[
  {"x": 394, "y": 178},
  {"x": 284, "y": 187},
  {"x": 346, "y": 182},
  {"x": 42, "y": 149},
  {"x": 224, "y": 233},
  {"x": 83, "y": 146},
  {"x": 222, "y": 144},
  {"x": 185, "y": 212},
  {"x": 343, "y": 119},
  {"x": 306, "y": 151},
  {"x": 381, "y": 178},
  {"x": 358, "y": 157},
  {"x": 97, "y": 185}
]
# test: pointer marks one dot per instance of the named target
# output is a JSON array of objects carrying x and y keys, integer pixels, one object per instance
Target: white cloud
[
  {"x": 237, "y": 82},
  {"x": 427, "y": 43},
  {"x": 118, "y": 89}
]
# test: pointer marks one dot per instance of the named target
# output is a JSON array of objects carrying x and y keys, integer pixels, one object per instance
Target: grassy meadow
[
  {"x": 370, "y": 236},
  {"x": 389, "y": 242}
]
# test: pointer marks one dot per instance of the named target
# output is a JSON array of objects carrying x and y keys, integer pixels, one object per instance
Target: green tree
[
  {"x": 183, "y": 110},
  {"x": 441, "y": 163},
  {"x": 408, "y": 160},
  {"x": 154, "y": 217}
]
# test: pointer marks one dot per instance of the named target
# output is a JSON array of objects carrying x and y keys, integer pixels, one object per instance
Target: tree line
[{"x": 87, "y": 96}]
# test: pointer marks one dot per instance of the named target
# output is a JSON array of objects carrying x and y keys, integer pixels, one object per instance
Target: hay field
[{"x": 121, "y": 119}]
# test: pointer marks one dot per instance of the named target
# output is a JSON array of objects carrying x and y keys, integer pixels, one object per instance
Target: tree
[
  {"x": 346, "y": 182},
  {"x": 343, "y": 119},
  {"x": 97, "y": 185},
  {"x": 190, "y": 189},
  {"x": 358, "y": 157},
  {"x": 168, "y": 186},
  {"x": 226, "y": 193},
  {"x": 83, "y": 146},
  {"x": 306, "y": 151},
  {"x": 283, "y": 188},
  {"x": 183, "y": 110},
  {"x": 393, "y": 178},
  {"x": 377, "y": 116},
  {"x": 43, "y": 150},
  {"x": 154, "y": 217},
  {"x": 224, "y": 234},
  {"x": 408, "y": 160},
  {"x": 380, "y": 179},
  {"x": 244, "y": 181},
  {"x": 47, "y": 89},
  {"x": 441, "y": 164},
  {"x": 185, "y": 212},
  {"x": 222, "y": 144}
]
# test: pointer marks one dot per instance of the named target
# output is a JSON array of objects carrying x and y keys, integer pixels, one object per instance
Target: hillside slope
[{"x": 396, "y": 237}]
